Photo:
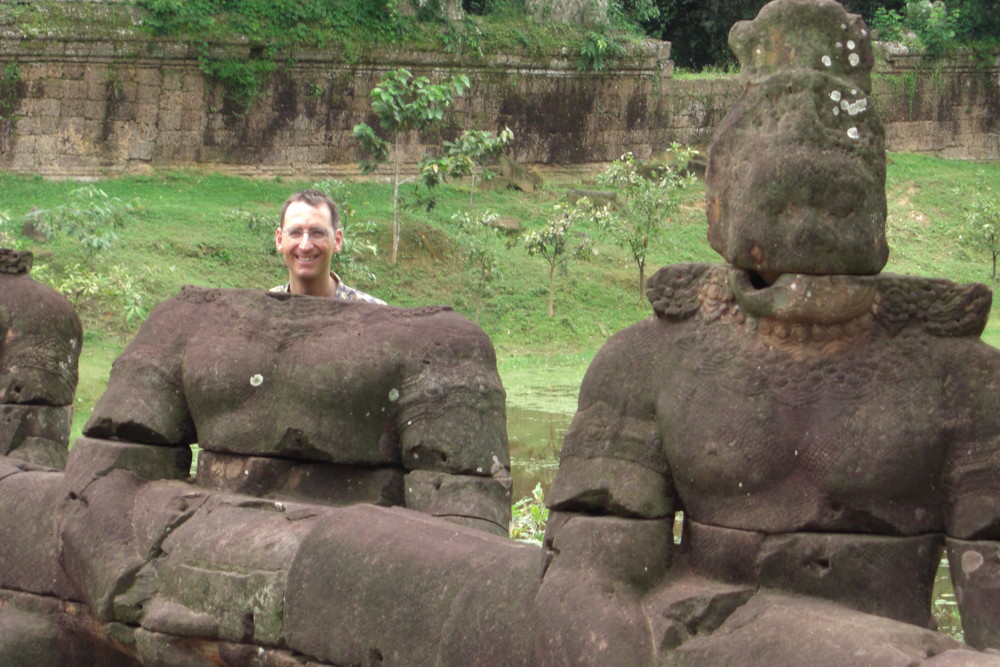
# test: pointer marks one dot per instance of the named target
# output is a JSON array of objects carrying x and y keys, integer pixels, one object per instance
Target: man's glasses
[{"x": 318, "y": 235}]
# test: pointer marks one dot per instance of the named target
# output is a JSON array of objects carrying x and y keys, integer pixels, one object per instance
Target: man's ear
[
  {"x": 277, "y": 238},
  {"x": 338, "y": 240}
]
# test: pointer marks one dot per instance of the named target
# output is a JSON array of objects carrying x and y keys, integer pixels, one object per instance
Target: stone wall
[{"x": 77, "y": 107}]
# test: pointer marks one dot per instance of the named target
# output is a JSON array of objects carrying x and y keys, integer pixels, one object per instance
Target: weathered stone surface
[
  {"x": 222, "y": 573},
  {"x": 419, "y": 386},
  {"x": 687, "y": 606},
  {"x": 112, "y": 529},
  {"x": 975, "y": 573},
  {"x": 602, "y": 565},
  {"x": 772, "y": 629},
  {"x": 92, "y": 458},
  {"x": 29, "y": 552},
  {"x": 518, "y": 176},
  {"x": 460, "y": 497},
  {"x": 609, "y": 485},
  {"x": 406, "y": 589},
  {"x": 164, "y": 650},
  {"x": 796, "y": 173},
  {"x": 37, "y": 640},
  {"x": 35, "y": 433},
  {"x": 41, "y": 337},
  {"x": 844, "y": 568},
  {"x": 272, "y": 477}
]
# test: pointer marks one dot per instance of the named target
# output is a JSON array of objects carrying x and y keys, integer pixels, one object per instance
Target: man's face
[{"x": 307, "y": 240}]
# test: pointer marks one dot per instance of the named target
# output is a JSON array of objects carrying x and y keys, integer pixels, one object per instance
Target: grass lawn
[{"x": 213, "y": 230}]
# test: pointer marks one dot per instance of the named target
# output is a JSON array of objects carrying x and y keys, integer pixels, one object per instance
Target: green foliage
[
  {"x": 7, "y": 239},
  {"x": 467, "y": 156},
  {"x": 530, "y": 517},
  {"x": 554, "y": 244},
  {"x": 402, "y": 103},
  {"x": 649, "y": 200},
  {"x": 982, "y": 219},
  {"x": 595, "y": 51},
  {"x": 10, "y": 79},
  {"x": 113, "y": 299},
  {"x": 92, "y": 217},
  {"x": 244, "y": 80},
  {"x": 923, "y": 24},
  {"x": 477, "y": 239}
]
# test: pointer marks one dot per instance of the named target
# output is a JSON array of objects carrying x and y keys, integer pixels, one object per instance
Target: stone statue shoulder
[
  {"x": 678, "y": 291},
  {"x": 938, "y": 307}
]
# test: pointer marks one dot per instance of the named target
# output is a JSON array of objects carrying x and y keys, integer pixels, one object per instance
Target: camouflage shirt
[{"x": 343, "y": 292}]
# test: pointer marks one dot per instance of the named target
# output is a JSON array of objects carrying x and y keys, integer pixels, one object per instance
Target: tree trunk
[
  {"x": 552, "y": 272},
  {"x": 642, "y": 278},
  {"x": 395, "y": 204}
]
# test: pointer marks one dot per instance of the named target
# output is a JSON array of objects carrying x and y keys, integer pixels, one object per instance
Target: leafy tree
[
  {"x": 472, "y": 151},
  {"x": 476, "y": 236},
  {"x": 983, "y": 222},
  {"x": 553, "y": 243},
  {"x": 649, "y": 199},
  {"x": 403, "y": 103}
]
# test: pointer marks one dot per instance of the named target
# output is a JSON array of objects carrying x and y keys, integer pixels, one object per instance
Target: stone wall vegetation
[{"x": 108, "y": 98}]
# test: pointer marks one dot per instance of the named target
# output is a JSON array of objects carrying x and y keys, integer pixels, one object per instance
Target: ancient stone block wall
[
  {"x": 952, "y": 111},
  {"x": 87, "y": 107}
]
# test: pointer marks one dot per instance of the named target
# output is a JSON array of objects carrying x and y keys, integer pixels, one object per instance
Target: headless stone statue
[{"x": 39, "y": 354}]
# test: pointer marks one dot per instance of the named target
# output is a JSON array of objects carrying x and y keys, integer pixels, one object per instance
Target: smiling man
[{"x": 307, "y": 237}]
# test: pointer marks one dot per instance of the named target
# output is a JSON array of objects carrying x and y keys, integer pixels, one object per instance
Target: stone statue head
[{"x": 796, "y": 175}]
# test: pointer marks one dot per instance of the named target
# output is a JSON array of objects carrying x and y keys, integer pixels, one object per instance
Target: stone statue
[
  {"x": 825, "y": 430},
  {"x": 40, "y": 340}
]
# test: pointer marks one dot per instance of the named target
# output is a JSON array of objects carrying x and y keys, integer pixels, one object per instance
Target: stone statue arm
[
  {"x": 973, "y": 505},
  {"x": 453, "y": 441},
  {"x": 610, "y": 527}
]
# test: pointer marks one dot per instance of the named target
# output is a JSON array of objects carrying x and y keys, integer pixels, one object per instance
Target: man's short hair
[{"x": 313, "y": 198}]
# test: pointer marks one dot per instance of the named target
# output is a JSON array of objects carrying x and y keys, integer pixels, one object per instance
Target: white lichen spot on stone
[
  {"x": 853, "y": 133},
  {"x": 845, "y": 105},
  {"x": 256, "y": 380},
  {"x": 835, "y": 96},
  {"x": 838, "y": 45},
  {"x": 393, "y": 394},
  {"x": 479, "y": 469},
  {"x": 864, "y": 33},
  {"x": 758, "y": 52},
  {"x": 854, "y": 59},
  {"x": 843, "y": 26},
  {"x": 850, "y": 44},
  {"x": 836, "y": 111},
  {"x": 971, "y": 561},
  {"x": 858, "y": 107},
  {"x": 826, "y": 60},
  {"x": 854, "y": 91}
]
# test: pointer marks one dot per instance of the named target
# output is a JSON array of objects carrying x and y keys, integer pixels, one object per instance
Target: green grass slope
[{"x": 217, "y": 231}]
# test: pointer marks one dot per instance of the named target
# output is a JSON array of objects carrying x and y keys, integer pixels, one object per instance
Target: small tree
[
  {"x": 983, "y": 220},
  {"x": 476, "y": 148},
  {"x": 403, "y": 103},
  {"x": 477, "y": 236},
  {"x": 92, "y": 217},
  {"x": 649, "y": 201},
  {"x": 553, "y": 243}
]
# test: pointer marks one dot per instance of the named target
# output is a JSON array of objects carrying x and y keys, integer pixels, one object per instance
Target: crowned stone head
[{"x": 796, "y": 174}]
